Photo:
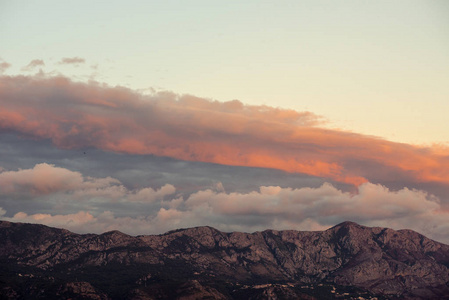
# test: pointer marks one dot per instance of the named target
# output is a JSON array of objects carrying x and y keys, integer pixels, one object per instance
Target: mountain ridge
[{"x": 204, "y": 261}]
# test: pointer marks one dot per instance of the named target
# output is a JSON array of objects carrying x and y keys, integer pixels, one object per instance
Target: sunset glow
[{"x": 151, "y": 117}]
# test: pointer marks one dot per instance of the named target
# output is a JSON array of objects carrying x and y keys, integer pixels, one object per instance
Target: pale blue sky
[{"x": 375, "y": 67}]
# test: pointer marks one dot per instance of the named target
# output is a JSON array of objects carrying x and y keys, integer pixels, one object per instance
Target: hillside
[{"x": 346, "y": 261}]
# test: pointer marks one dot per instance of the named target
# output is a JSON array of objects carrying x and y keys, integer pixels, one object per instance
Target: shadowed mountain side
[{"x": 203, "y": 262}]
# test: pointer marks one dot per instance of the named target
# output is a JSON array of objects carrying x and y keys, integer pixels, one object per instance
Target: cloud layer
[
  {"x": 100, "y": 204},
  {"x": 78, "y": 115}
]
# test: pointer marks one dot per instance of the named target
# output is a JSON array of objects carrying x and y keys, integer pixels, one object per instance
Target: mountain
[{"x": 347, "y": 261}]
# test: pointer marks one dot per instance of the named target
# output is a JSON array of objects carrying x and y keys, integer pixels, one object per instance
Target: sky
[{"x": 147, "y": 116}]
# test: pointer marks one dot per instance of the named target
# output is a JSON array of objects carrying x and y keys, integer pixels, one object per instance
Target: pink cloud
[
  {"x": 78, "y": 115},
  {"x": 33, "y": 64},
  {"x": 3, "y": 66},
  {"x": 42, "y": 179},
  {"x": 72, "y": 60}
]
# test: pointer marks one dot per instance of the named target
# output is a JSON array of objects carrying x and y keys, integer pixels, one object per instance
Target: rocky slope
[{"x": 345, "y": 262}]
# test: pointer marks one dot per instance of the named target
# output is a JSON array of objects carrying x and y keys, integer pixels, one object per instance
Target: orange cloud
[{"x": 78, "y": 115}]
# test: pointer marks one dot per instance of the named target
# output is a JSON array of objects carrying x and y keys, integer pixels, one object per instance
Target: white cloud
[
  {"x": 42, "y": 179},
  {"x": 105, "y": 204},
  {"x": 151, "y": 195},
  {"x": 45, "y": 182}
]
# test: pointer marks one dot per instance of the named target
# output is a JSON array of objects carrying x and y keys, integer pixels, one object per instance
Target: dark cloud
[{"x": 136, "y": 171}]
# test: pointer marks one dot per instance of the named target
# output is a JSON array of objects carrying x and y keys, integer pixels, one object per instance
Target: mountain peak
[
  {"x": 348, "y": 225},
  {"x": 113, "y": 232}
]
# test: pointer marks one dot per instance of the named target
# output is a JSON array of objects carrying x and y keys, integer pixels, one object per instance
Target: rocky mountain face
[{"x": 347, "y": 261}]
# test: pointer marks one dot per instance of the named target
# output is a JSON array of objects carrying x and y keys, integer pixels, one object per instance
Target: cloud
[
  {"x": 78, "y": 115},
  {"x": 33, "y": 64},
  {"x": 72, "y": 60},
  {"x": 45, "y": 183},
  {"x": 288, "y": 208},
  {"x": 150, "y": 195},
  {"x": 140, "y": 171},
  {"x": 3, "y": 66},
  {"x": 42, "y": 179},
  {"x": 269, "y": 207},
  {"x": 313, "y": 209}
]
